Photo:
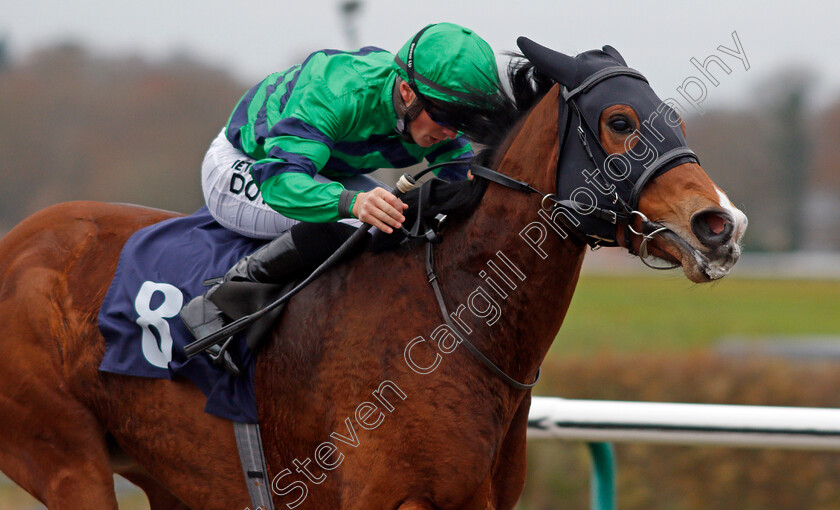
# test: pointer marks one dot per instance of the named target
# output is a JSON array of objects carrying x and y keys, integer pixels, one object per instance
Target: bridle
[
  {"x": 550, "y": 203},
  {"x": 627, "y": 210}
]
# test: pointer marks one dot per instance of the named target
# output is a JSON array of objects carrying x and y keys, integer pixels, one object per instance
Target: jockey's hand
[{"x": 380, "y": 208}]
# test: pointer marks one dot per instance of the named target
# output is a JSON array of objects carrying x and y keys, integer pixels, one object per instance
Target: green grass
[{"x": 633, "y": 313}]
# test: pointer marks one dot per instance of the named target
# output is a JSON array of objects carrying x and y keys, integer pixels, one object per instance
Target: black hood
[{"x": 593, "y": 81}]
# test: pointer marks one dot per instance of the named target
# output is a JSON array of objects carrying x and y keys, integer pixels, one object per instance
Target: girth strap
[
  {"x": 430, "y": 272},
  {"x": 252, "y": 457}
]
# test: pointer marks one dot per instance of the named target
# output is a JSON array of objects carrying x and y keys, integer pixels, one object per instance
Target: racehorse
[{"x": 368, "y": 405}]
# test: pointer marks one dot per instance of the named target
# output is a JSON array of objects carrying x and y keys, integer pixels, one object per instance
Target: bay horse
[{"x": 362, "y": 406}]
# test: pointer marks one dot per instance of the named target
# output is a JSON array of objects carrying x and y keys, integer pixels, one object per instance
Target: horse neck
[{"x": 531, "y": 313}]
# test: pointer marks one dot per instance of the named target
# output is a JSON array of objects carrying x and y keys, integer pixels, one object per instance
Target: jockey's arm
[
  {"x": 285, "y": 179},
  {"x": 298, "y": 196}
]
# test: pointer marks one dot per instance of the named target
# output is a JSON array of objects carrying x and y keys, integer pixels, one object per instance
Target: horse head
[{"x": 626, "y": 176}]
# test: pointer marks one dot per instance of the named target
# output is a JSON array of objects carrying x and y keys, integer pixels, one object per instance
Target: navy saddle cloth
[{"x": 161, "y": 268}]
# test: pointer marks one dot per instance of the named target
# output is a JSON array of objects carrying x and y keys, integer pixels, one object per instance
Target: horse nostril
[
  {"x": 715, "y": 223},
  {"x": 713, "y": 227}
]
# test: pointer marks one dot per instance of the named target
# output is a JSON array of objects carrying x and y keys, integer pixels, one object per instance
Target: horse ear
[
  {"x": 557, "y": 66},
  {"x": 609, "y": 50}
]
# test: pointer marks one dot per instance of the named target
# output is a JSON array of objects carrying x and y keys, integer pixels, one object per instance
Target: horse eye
[{"x": 620, "y": 125}]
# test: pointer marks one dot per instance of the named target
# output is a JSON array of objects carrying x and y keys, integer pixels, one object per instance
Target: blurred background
[{"x": 118, "y": 102}]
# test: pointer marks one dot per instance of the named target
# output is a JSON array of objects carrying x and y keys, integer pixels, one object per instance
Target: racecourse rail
[{"x": 600, "y": 423}]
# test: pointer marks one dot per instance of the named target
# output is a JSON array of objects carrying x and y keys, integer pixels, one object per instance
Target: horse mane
[{"x": 489, "y": 125}]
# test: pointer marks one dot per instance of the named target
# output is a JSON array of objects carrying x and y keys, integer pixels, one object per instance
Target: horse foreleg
[
  {"x": 159, "y": 498},
  {"x": 51, "y": 444},
  {"x": 508, "y": 476},
  {"x": 53, "y": 448}
]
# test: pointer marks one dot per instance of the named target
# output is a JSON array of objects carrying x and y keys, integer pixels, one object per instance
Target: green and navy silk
[{"x": 333, "y": 114}]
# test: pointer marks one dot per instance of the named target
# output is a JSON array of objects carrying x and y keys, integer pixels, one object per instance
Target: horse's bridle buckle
[{"x": 552, "y": 202}]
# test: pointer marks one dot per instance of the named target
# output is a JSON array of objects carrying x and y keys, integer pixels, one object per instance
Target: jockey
[{"x": 296, "y": 147}]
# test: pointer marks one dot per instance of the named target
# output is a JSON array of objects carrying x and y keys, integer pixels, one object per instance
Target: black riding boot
[
  {"x": 276, "y": 262},
  {"x": 292, "y": 255}
]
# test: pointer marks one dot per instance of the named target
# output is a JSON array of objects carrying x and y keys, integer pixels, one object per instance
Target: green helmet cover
[{"x": 451, "y": 64}]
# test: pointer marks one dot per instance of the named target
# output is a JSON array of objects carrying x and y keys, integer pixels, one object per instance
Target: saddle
[{"x": 161, "y": 267}]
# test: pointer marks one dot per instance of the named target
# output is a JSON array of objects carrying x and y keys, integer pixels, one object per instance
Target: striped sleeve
[
  {"x": 300, "y": 197},
  {"x": 297, "y": 147},
  {"x": 458, "y": 149}
]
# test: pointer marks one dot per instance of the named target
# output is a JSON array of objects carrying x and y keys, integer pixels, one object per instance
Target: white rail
[{"x": 731, "y": 425}]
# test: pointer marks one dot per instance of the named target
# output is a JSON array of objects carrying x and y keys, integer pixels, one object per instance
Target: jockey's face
[{"x": 425, "y": 131}]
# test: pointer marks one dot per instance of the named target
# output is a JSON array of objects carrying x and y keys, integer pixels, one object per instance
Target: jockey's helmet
[{"x": 448, "y": 63}]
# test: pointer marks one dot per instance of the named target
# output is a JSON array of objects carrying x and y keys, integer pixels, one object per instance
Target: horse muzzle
[{"x": 713, "y": 246}]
